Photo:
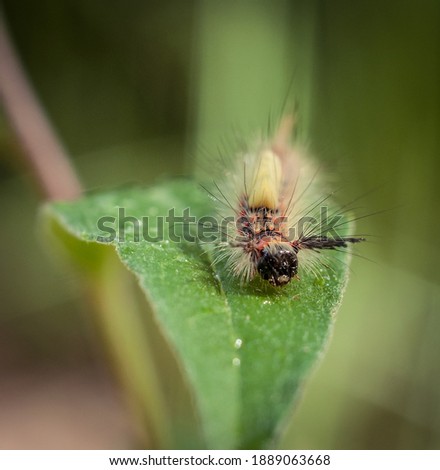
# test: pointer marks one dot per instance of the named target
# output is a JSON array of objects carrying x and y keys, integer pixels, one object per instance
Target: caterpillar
[{"x": 275, "y": 224}]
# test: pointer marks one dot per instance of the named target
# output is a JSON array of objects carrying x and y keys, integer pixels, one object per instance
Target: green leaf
[{"x": 243, "y": 350}]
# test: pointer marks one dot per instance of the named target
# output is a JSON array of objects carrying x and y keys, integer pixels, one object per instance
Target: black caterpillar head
[{"x": 278, "y": 266}]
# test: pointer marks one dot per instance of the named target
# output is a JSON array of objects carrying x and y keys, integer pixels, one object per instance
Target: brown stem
[{"x": 49, "y": 163}]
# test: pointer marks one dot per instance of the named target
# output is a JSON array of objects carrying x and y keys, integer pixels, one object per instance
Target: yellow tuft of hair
[{"x": 265, "y": 180}]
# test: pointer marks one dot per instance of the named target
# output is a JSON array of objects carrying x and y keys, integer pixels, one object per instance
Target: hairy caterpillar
[{"x": 274, "y": 221}]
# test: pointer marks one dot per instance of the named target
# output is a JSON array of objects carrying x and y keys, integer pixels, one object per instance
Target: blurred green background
[{"x": 135, "y": 90}]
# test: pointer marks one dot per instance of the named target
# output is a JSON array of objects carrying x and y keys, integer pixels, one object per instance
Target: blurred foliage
[{"x": 131, "y": 87}]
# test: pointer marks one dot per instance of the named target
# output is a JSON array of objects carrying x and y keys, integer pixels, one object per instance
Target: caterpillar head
[{"x": 277, "y": 265}]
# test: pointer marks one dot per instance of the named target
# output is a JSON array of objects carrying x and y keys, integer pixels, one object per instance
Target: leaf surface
[{"x": 244, "y": 350}]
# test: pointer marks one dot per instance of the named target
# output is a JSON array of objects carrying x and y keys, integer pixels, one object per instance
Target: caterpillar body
[{"x": 269, "y": 201}]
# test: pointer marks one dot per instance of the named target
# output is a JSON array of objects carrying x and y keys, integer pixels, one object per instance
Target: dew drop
[
  {"x": 236, "y": 362},
  {"x": 238, "y": 343}
]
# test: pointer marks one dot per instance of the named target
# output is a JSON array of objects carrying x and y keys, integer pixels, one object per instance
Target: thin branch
[{"x": 48, "y": 161}]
